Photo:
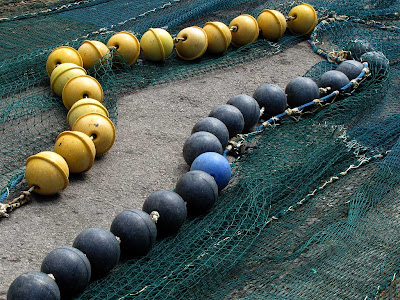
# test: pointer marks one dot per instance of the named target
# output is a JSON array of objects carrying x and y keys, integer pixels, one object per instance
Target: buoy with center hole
[
  {"x": 100, "y": 128},
  {"x": 60, "y": 55},
  {"x": 79, "y": 87}
]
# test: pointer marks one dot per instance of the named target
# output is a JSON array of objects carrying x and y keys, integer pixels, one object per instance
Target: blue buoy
[
  {"x": 70, "y": 268},
  {"x": 351, "y": 68},
  {"x": 171, "y": 209},
  {"x": 272, "y": 98},
  {"x": 377, "y": 62},
  {"x": 33, "y": 286},
  {"x": 231, "y": 117},
  {"x": 214, "y": 126},
  {"x": 358, "y": 48},
  {"x": 249, "y": 108},
  {"x": 214, "y": 164},
  {"x": 199, "y": 190},
  {"x": 136, "y": 230},
  {"x": 100, "y": 247},
  {"x": 198, "y": 143},
  {"x": 301, "y": 90},
  {"x": 333, "y": 79}
]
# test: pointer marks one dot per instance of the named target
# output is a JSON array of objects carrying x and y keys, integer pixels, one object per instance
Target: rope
[{"x": 5, "y": 209}]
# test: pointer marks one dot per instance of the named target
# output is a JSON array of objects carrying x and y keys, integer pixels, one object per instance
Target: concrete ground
[{"x": 153, "y": 124}]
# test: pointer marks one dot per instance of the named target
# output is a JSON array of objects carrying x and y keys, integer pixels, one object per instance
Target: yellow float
[
  {"x": 244, "y": 30},
  {"x": 304, "y": 19},
  {"x": 272, "y": 24},
  {"x": 77, "y": 149},
  {"x": 62, "y": 74},
  {"x": 127, "y": 44},
  {"x": 83, "y": 107},
  {"x": 219, "y": 37},
  {"x": 80, "y": 87},
  {"x": 91, "y": 53},
  {"x": 48, "y": 172},
  {"x": 100, "y": 128},
  {"x": 156, "y": 44},
  {"x": 60, "y": 55},
  {"x": 191, "y": 43}
]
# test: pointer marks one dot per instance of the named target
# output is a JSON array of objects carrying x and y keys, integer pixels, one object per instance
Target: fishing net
[{"x": 312, "y": 210}]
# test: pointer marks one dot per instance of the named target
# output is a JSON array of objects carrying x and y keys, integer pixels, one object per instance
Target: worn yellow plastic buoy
[
  {"x": 191, "y": 43},
  {"x": 100, "y": 128},
  {"x": 305, "y": 19},
  {"x": 272, "y": 24},
  {"x": 60, "y": 55},
  {"x": 80, "y": 87},
  {"x": 77, "y": 149},
  {"x": 48, "y": 171},
  {"x": 219, "y": 37},
  {"x": 127, "y": 44},
  {"x": 91, "y": 52},
  {"x": 156, "y": 44},
  {"x": 62, "y": 74},
  {"x": 244, "y": 30},
  {"x": 83, "y": 107}
]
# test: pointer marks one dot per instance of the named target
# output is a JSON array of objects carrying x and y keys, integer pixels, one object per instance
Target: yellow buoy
[
  {"x": 83, "y": 107},
  {"x": 77, "y": 149},
  {"x": 100, "y": 128},
  {"x": 272, "y": 24},
  {"x": 244, "y": 30},
  {"x": 80, "y": 87},
  {"x": 191, "y": 43},
  {"x": 62, "y": 74},
  {"x": 60, "y": 55},
  {"x": 48, "y": 171},
  {"x": 305, "y": 19},
  {"x": 91, "y": 52},
  {"x": 219, "y": 37},
  {"x": 156, "y": 44},
  {"x": 127, "y": 44}
]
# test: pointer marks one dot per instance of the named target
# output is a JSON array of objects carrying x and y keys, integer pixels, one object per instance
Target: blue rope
[{"x": 11, "y": 186}]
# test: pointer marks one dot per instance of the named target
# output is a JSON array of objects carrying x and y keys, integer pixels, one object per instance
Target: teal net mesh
[{"x": 278, "y": 231}]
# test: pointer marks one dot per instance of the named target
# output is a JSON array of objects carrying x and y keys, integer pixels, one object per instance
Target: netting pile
[{"x": 269, "y": 236}]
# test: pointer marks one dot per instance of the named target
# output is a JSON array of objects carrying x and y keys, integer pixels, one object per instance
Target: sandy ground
[{"x": 152, "y": 128}]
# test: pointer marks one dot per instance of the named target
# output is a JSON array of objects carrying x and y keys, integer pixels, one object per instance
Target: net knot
[
  {"x": 355, "y": 83},
  {"x": 318, "y": 102}
]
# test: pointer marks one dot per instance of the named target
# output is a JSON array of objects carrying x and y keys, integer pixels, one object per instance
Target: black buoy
[
  {"x": 33, "y": 286},
  {"x": 359, "y": 47},
  {"x": 249, "y": 108},
  {"x": 136, "y": 230},
  {"x": 171, "y": 210},
  {"x": 199, "y": 190},
  {"x": 351, "y": 68},
  {"x": 301, "y": 90},
  {"x": 272, "y": 98},
  {"x": 333, "y": 79},
  {"x": 198, "y": 143},
  {"x": 100, "y": 247},
  {"x": 214, "y": 126},
  {"x": 70, "y": 268},
  {"x": 231, "y": 117},
  {"x": 377, "y": 62}
]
